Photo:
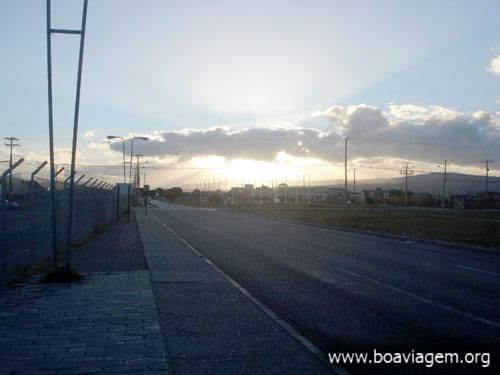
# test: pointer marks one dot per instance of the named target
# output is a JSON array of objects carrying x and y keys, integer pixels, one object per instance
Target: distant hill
[{"x": 433, "y": 183}]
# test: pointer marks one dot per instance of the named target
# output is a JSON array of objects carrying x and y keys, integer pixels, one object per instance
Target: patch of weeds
[{"x": 84, "y": 240}]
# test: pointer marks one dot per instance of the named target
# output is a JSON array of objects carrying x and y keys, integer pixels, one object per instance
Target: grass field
[{"x": 470, "y": 227}]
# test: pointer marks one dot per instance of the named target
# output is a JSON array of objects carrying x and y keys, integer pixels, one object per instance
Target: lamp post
[
  {"x": 345, "y": 169},
  {"x": 130, "y": 172},
  {"x": 137, "y": 178},
  {"x": 123, "y": 146},
  {"x": 132, "y": 153}
]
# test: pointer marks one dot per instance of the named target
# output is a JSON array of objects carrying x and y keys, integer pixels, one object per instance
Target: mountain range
[{"x": 456, "y": 183}]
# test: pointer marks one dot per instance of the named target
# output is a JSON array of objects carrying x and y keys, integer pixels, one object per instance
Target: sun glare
[{"x": 283, "y": 169}]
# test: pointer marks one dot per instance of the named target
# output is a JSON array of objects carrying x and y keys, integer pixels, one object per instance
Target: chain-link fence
[{"x": 26, "y": 224}]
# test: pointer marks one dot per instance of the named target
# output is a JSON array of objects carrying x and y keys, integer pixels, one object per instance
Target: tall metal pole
[
  {"x": 406, "y": 183},
  {"x": 131, "y": 156},
  {"x": 130, "y": 172},
  {"x": 345, "y": 168},
  {"x": 444, "y": 184},
  {"x": 53, "y": 212},
  {"x": 406, "y": 171},
  {"x": 354, "y": 180},
  {"x": 75, "y": 135},
  {"x": 487, "y": 163},
  {"x": 130, "y": 180},
  {"x": 123, "y": 152},
  {"x": 137, "y": 179}
]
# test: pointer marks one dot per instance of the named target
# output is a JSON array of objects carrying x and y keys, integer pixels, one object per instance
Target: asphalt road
[{"x": 354, "y": 292}]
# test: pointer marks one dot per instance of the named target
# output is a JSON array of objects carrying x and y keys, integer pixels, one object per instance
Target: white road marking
[
  {"x": 448, "y": 308},
  {"x": 287, "y": 327},
  {"x": 477, "y": 270}
]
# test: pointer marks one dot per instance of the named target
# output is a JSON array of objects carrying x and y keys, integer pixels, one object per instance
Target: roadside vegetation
[
  {"x": 467, "y": 226},
  {"x": 480, "y": 228}
]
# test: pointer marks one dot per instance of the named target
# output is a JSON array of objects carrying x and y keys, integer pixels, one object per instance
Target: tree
[
  {"x": 214, "y": 198},
  {"x": 195, "y": 195},
  {"x": 172, "y": 193}
]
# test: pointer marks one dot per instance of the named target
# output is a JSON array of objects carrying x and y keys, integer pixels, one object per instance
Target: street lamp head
[
  {"x": 143, "y": 138},
  {"x": 114, "y": 136}
]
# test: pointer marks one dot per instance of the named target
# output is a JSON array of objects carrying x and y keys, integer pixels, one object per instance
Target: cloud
[
  {"x": 257, "y": 144},
  {"x": 420, "y": 133},
  {"x": 494, "y": 66},
  {"x": 412, "y": 132},
  {"x": 422, "y": 114},
  {"x": 89, "y": 134}
]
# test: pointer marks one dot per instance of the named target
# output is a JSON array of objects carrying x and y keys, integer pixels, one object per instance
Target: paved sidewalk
[{"x": 106, "y": 323}]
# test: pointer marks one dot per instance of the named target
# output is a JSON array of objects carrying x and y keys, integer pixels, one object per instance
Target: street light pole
[
  {"x": 132, "y": 153},
  {"x": 130, "y": 171},
  {"x": 345, "y": 167},
  {"x": 444, "y": 183},
  {"x": 137, "y": 178}
]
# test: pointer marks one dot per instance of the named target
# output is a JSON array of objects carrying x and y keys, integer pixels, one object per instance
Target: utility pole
[
  {"x": 406, "y": 172},
  {"x": 345, "y": 167},
  {"x": 354, "y": 180},
  {"x": 137, "y": 179},
  {"x": 487, "y": 162},
  {"x": 309, "y": 190},
  {"x": 10, "y": 143},
  {"x": 444, "y": 184},
  {"x": 304, "y": 187}
]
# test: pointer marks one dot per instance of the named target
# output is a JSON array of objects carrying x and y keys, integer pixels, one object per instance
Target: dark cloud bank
[{"x": 427, "y": 134}]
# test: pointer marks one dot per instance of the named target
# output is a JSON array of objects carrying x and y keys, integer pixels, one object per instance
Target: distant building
[
  {"x": 242, "y": 194},
  {"x": 263, "y": 194},
  {"x": 379, "y": 196}
]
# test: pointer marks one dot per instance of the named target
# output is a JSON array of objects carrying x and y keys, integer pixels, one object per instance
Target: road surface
[{"x": 353, "y": 292}]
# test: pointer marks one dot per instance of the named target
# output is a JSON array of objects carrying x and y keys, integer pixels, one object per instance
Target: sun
[{"x": 236, "y": 172}]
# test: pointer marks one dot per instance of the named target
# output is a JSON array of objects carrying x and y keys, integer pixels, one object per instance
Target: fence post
[
  {"x": 4, "y": 178},
  {"x": 32, "y": 183},
  {"x": 32, "y": 198}
]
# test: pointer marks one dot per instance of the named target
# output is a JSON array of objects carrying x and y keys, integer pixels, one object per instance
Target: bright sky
[{"x": 250, "y": 91}]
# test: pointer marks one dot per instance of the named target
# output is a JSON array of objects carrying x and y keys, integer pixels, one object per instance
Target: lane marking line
[
  {"x": 425, "y": 300},
  {"x": 282, "y": 323},
  {"x": 477, "y": 270}
]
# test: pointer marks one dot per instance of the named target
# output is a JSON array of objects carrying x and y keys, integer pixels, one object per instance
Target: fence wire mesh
[{"x": 25, "y": 223}]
